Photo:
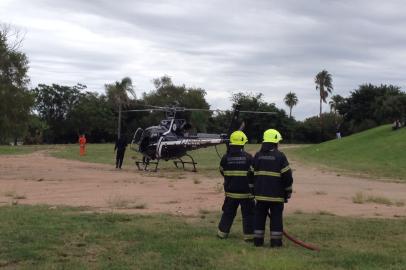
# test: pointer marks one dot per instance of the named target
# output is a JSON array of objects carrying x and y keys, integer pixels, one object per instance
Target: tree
[
  {"x": 162, "y": 82},
  {"x": 168, "y": 94},
  {"x": 16, "y": 100},
  {"x": 390, "y": 108},
  {"x": 54, "y": 104},
  {"x": 93, "y": 115},
  {"x": 118, "y": 94},
  {"x": 324, "y": 85},
  {"x": 366, "y": 103},
  {"x": 290, "y": 101},
  {"x": 308, "y": 131},
  {"x": 255, "y": 124},
  {"x": 335, "y": 102},
  {"x": 370, "y": 106},
  {"x": 35, "y": 130}
]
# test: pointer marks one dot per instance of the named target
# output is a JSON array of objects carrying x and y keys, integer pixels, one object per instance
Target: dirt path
[{"x": 40, "y": 179}]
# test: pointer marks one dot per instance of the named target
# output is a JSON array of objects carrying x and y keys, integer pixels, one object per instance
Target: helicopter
[{"x": 169, "y": 140}]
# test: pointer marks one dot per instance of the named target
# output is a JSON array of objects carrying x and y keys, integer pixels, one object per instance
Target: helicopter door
[{"x": 137, "y": 138}]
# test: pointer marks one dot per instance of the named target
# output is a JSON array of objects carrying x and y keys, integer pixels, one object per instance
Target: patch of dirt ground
[{"x": 38, "y": 178}]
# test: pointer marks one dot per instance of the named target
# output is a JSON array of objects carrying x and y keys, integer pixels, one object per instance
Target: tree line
[{"x": 59, "y": 113}]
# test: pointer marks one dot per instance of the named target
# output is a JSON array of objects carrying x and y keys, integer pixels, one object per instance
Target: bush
[{"x": 309, "y": 131}]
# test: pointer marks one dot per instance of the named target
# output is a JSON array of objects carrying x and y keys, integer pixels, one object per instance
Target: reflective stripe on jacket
[
  {"x": 273, "y": 176},
  {"x": 236, "y": 167}
]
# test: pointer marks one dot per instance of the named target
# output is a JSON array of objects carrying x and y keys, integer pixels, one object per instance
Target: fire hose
[{"x": 299, "y": 242}]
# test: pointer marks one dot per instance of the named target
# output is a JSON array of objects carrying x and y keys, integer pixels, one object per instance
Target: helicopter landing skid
[
  {"x": 193, "y": 162},
  {"x": 146, "y": 164}
]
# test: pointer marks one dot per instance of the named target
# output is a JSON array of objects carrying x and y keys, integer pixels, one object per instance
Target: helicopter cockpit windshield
[{"x": 150, "y": 138}]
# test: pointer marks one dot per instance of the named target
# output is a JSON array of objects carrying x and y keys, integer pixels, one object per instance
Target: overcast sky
[{"x": 266, "y": 46}]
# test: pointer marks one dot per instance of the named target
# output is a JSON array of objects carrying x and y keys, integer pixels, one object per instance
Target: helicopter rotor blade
[
  {"x": 197, "y": 110},
  {"x": 155, "y": 107},
  {"x": 145, "y": 110},
  {"x": 259, "y": 112},
  {"x": 182, "y": 109},
  {"x": 217, "y": 110}
]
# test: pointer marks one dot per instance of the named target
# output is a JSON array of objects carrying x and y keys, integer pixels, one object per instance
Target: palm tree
[
  {"x": 117, "y": 93},
  {"x": 335, "y": 101},
  {"x": 290, "y": 101},
  {"x": 324, "y": 84}
]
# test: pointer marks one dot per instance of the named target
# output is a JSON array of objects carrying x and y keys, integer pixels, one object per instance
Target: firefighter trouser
[
  {"x": 82, "y": 150},
  {"x": 230, "y": 210},
  {"x": 119, "y": 158},
  {"x": 262, "y": 209}
]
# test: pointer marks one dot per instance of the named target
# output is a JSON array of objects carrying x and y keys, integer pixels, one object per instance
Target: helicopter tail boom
[{"x": 172, "y": 149}]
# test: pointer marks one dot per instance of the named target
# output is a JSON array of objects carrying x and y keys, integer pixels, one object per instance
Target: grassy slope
[
  {"x": 40, "y": 238},
  {"x": 376, "y": 152}
]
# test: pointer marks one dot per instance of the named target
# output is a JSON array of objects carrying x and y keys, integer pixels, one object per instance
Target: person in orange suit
[{"x": 82, "y": 144}]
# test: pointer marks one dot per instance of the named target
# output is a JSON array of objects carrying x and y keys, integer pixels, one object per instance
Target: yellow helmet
[
  {"x": 238, "y": 138},
  {"x": 272, "y": 136}
]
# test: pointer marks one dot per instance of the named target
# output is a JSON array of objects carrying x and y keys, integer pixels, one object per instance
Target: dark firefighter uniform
[
  {"x": 236, "y": 168},
  {"x": 120, "y": 146},
  {"x": 273, "y": 187}
]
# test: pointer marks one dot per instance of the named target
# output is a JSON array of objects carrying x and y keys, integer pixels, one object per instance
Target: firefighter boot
[
  {"x": 222, "y": 235},
  {"x": 276, "y": 243},
  {"x": 276, "y": 239},
  {"x": 259, "y": 238},
  {"x": 258, "y": 242}
]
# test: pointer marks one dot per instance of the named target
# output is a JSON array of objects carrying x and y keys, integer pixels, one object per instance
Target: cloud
[{"x": 264, "y": 46}]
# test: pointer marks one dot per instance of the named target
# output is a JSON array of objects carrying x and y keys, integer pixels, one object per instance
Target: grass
[
  {"x": 13, "y": 194},
  {"x": 399, "y": 203},
  {"x": 22, "y": 149},
  {"x": 66, "y": 238},
  {"x": 358, "y": 198},
  {"x": 97, "y": 153},
  {"x": 326, "y": 213},
  {"x": 361, "y": 198},
  {"x": 10, "y": 193},
  {"x": 378, "y": 152},
  {"x": 207, "y": 159},
  {"x": 120, "y": 202},
  {"x": 379, "y": 200}
]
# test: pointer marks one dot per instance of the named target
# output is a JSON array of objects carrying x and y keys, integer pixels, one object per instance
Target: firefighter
[
  {"x": 82, "y": 144},
  {"x": 273, "y": 187},
  {"x": 120, "y": 146},
  {"x": 236, "y": 167}
]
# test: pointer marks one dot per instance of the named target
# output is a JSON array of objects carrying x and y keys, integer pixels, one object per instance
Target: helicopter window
[
  {"x": 152, "y": 135},
  {"x": 165, "y": 122}
]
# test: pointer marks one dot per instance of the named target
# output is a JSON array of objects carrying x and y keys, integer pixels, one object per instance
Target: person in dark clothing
[
  {"x": 236, "y": 168},
  {"x": 338, "y": 131},
  {"x": 273, "y": 188},
  {"x": 121, "y": 145}
]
